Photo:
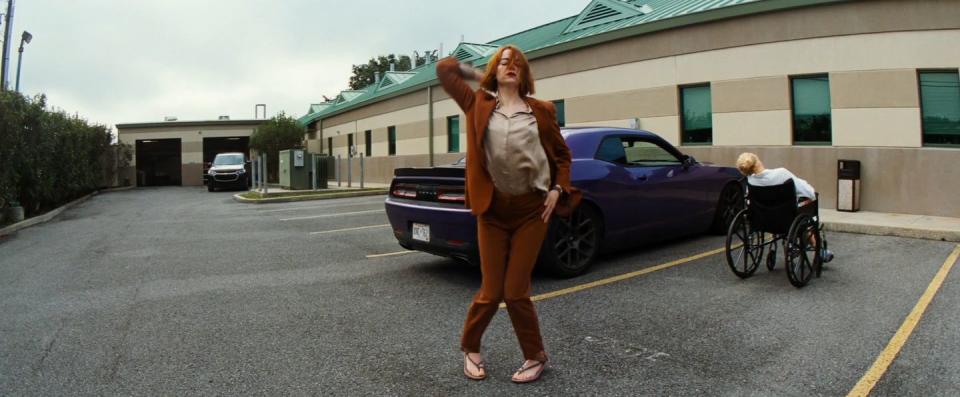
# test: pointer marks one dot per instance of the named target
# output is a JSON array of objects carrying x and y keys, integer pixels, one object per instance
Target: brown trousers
[{"x": 509, "y": 235}]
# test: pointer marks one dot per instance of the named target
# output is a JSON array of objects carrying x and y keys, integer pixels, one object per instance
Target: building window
[
  {"x": 811, "y": 110},
  {"x": 367, "y": 139},
  {"x": 940, "y": 107},
  {"x": 453, "y": 134},
  {"x": 696, "y": 125},
  {"x": 561, "y": 112},
  {"x": 330, "y": 146},
  {"x": 391, "y": 140},
  {"x": 350, "y": 148}
]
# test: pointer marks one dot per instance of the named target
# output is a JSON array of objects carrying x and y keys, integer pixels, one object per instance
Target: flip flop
[
  {"x": 479, "y": 365},
  {"x": 539, "y": 366}
]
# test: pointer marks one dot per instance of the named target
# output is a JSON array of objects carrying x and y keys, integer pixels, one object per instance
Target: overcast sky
[{"x": 120, "y": 61}]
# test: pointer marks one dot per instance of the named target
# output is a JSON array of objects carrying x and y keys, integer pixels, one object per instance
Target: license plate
[{"x": 421, "y": 232}]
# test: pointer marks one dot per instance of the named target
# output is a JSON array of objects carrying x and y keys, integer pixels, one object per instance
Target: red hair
[{"x": 489, "y": 80}]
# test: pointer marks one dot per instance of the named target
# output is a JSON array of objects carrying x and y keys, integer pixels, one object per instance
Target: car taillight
[
  {"x": 404, "y": 190},
  {"x": 451, "y": 195}
]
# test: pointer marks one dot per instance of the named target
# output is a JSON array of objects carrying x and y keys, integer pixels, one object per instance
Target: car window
[
  {"x": 611, "y": 149},
  {"x": 231, "y": 159},
  {"x": 646, "y": 154}
]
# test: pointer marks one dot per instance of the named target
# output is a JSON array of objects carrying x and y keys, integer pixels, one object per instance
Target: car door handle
[{"x": 640, "y": 178}]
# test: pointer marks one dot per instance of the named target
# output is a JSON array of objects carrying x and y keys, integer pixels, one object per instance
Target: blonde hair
[{"x": 747, "y": 163}]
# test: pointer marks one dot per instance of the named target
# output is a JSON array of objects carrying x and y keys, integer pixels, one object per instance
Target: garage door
[{"x": 158, "y": 162}]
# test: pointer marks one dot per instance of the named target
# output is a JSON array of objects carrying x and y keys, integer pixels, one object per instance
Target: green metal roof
[{"x": 599, "y": 21}]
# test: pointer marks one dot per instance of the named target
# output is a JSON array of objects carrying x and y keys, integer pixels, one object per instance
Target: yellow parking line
[
  {"x": 879, "y": 367},
  {"x": 350, "y": 228},
  {"x": 625, "y": 276},
  {"x": 390, "y": 254}
]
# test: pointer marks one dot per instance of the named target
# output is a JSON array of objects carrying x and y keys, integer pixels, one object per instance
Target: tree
[
  {"x": 280, "y": 133},
  {"x": 48, "y": 158},
  {"x": 363, "y": 75}
]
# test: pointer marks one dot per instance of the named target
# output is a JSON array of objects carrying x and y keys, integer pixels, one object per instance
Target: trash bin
[{"x": 848, "y": 185}]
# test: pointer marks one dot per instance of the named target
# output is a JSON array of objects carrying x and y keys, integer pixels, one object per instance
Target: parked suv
[{"x": 228, "y": 170}]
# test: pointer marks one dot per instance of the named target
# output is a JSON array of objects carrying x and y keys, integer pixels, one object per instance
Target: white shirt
[
  {"x": 777, "y": 176},
  {"x": 515, "y": 157}
]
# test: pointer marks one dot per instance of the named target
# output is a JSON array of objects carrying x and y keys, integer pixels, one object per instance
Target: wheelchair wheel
[
  {"x": 744, "y": 247},
  {"x": 802, "y": 256}
]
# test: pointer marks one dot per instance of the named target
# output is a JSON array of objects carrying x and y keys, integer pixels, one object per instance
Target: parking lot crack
[
  {"x": 38, "y": 368},
  {"x": 121, "y": 347}
]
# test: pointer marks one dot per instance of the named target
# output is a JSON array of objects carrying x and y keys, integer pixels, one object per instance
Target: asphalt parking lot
[{"x": 176, "y": 291}]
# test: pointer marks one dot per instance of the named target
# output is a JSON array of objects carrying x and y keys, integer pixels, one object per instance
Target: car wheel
[
  {"x": 731, "y": 202},
  {"x": 572, "y": 243}
]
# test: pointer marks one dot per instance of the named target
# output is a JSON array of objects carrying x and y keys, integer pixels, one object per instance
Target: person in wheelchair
[{"x": 758, "y": 175}]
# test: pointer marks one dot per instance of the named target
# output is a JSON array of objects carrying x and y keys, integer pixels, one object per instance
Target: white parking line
[
  {"x": 331, "y": 215},
  {"x": 350, "y": 228},
  {"x": 321, "y": 206},
  {"x": 390, "y": 254}
]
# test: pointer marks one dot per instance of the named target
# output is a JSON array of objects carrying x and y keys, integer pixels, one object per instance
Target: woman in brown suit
[{"x": 518, "y": 165}]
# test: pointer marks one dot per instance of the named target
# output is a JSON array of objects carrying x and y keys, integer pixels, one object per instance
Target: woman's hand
[
  {"x": 469, "y": 73},
  {"x": 549, "y": 204}
]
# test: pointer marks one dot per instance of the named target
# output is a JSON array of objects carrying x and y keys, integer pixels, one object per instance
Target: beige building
[
  {"x": 175, "y": 152},
  {"x": 802, "y": 83}
]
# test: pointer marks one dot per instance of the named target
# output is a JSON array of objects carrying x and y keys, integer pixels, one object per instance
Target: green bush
[
  {"x": 280, "y": 133},
  {"x": 48, "y": 158}
]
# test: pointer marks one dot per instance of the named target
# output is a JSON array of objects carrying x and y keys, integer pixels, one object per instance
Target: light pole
[
  {"x": 24, "y": 39},
  {"x": 5, "y": 49}
]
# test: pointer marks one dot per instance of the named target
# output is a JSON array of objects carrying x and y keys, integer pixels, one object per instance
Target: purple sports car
[{"x": 637, "y": 189}]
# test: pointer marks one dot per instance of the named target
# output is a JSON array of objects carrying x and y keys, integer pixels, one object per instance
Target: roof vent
[
  {"x": 463, "y": 54},
  {"x": 472, "y": 51},
  {"x": 349, "y": 95},
  {"x": 391, "y": 79},
  {"x": 600, "y": 12}
]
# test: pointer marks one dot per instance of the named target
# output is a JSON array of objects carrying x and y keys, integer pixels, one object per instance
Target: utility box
[
  {"x": 295, "y": 169},
  {"x": 321, "y": 175},
  {"x": 848, "y": 185}
]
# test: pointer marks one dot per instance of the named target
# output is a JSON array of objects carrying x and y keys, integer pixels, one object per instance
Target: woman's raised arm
[{"x": 450, "y": 73}]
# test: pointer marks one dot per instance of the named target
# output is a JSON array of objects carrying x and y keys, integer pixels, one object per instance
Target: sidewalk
[
  {"x": 277, "y": 194},
  {"x": 331, "y": 185},
  {"x": 889, "y": 224}
]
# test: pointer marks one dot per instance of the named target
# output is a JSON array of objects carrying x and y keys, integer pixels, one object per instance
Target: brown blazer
[{"x": 478, "y": 106}]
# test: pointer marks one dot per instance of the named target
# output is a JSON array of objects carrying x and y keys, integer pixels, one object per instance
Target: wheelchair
[{"x": 772, "y": 216}]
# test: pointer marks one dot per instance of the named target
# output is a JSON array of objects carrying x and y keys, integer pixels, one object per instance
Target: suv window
[{"x": 228, "y": 159}]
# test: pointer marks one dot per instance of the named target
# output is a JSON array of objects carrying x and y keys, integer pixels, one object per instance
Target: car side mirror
[{"x": 688, "y": 161}]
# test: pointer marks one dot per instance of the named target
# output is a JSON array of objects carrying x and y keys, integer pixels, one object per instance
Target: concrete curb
[
  {"x": 309, "y": 197},
  {"x": 45, "y": 217},
  {"x": 897, "y": 231},
  {"x": 117, "y": 189}
]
